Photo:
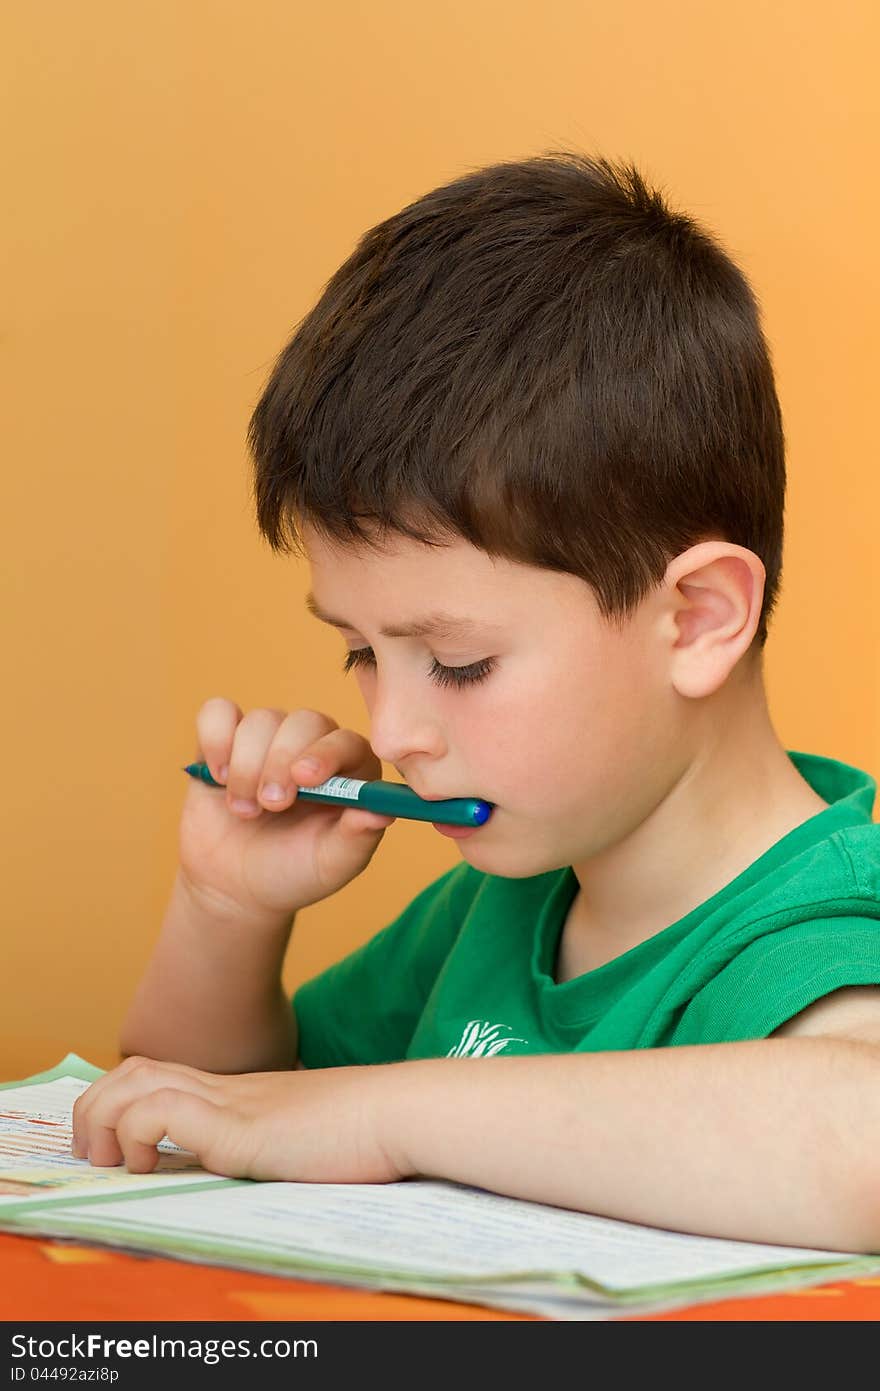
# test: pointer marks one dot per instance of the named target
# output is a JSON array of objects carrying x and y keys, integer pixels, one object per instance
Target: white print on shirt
[{"x": 481, "y": 1039}]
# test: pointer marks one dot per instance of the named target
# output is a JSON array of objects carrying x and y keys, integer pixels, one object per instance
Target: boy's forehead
[
  {"x": 452, "y": 590},
  {"x": 449, "y": 591}
]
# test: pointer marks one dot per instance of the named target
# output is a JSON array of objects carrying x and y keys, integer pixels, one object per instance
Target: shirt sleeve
[
  {"x": 365, "y": 1008},
  {"x": 779, "y": 974}
]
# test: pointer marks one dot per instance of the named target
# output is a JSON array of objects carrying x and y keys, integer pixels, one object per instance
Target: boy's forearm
[
  {"x": 765, "y": 1140},
  {"x": 211, "y": 995}
]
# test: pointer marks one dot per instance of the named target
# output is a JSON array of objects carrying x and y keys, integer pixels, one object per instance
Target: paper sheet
[
  {"x": 429, "y": 1229},
  {"x": 35, "y": 1160}
]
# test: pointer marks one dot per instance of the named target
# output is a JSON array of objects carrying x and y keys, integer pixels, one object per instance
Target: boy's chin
[{"x": 507, "y": 860}]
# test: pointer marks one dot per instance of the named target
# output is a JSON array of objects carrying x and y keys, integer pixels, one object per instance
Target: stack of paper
[{"x": 420, "y": 1236}]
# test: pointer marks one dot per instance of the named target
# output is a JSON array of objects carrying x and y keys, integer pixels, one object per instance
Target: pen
[{"x": 386, "y": 798}]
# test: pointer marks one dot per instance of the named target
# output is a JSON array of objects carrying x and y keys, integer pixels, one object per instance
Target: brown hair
[{"x": 539, "y": 357}]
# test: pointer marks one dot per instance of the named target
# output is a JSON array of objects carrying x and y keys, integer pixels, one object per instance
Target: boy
[{"x": 531, "y": 441}]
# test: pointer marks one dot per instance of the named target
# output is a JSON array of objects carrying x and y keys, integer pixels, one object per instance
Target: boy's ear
[{"x": 713, "y": 595}]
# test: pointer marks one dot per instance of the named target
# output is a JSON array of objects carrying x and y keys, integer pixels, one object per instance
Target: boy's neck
[{"x": 738, "y": 796}]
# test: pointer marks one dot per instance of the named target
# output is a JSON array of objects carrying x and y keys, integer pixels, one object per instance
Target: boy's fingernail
[
  {"x": 224, "y": 772},
  {"x": 307, "y": 765},
  {"x": 273, "y": 793}
]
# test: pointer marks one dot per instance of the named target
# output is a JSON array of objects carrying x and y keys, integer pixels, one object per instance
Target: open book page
[{"x": 35, "y": 1158}]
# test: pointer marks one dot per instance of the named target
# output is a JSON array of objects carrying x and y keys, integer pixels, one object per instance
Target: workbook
[{"x": 418, "y": 1236}]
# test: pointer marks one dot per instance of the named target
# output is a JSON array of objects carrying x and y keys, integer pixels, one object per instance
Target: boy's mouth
[{"x": 456, "y": 832}]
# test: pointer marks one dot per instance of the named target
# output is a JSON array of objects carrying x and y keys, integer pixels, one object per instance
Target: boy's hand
[
  {"x": 318, "y": 1126},
  {"x": 266, "y": 862}
]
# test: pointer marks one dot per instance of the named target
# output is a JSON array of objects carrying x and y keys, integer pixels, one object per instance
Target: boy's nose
[
  {"x": 397, "y": 746},
  {"x": 401, "y": 728}
]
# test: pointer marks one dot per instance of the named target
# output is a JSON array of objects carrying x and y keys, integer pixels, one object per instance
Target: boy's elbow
[
  {"x": 865, "y": 1224},
  {"x": 863, "y": 1233},
  {"x": 854, "y": 1190},
  {"x": 865, "y": 1132}
]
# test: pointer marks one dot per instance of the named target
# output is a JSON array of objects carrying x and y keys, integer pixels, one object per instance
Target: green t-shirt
[{"x": 467, "y": 969}]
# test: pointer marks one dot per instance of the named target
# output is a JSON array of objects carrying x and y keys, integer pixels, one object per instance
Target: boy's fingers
[
  {"x": 82, "y": 1107},
  {"x": 191, "y": 1121},
  {"x": 216, "y": 723},
  {"x": 97, "y": 1110},
  {"x": 339, "y": 753}
]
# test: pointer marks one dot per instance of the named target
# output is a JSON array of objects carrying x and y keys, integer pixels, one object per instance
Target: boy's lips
[{"x": 456, "y": 832}]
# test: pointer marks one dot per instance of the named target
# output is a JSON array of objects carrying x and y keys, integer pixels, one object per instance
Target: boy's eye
[{"x": 441, "y": 675}]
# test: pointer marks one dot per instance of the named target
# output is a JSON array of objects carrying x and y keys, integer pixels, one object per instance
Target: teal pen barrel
[
  {"x": 386, "y": 798},
  {"x": 396, "y": 799}
]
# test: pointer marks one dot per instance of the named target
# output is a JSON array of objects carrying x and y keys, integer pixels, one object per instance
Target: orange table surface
[{"x": 47, "y": 1280}]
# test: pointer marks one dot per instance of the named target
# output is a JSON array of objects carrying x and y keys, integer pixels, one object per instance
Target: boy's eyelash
[{"x": 441, "y": 675}]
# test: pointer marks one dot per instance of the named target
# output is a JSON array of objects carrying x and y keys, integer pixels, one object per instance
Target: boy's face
[{"x": 575, "y": 734}]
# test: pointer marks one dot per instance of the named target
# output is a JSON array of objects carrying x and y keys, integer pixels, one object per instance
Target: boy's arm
[
  {"x": 764, "y": 1140},
  {"x": 211, "y": 996}
]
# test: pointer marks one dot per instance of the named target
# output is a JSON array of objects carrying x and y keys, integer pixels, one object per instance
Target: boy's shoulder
[
  {"x": 820, "y": 895},
  {"x": 860, "y": 848},
  {"x": 829, "y": 866}
]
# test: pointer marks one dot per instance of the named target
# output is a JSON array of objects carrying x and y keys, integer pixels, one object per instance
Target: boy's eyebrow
[{"x": 442, "y": 625}]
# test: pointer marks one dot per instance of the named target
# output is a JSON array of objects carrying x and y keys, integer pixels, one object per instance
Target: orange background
[{"x": 181, "y": 180}]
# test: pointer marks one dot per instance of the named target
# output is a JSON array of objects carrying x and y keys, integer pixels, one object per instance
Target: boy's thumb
[{"x": 362, "y": 822}]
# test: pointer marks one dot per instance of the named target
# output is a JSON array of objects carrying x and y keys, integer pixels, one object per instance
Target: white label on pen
[{"x": 339, "y": 787}]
